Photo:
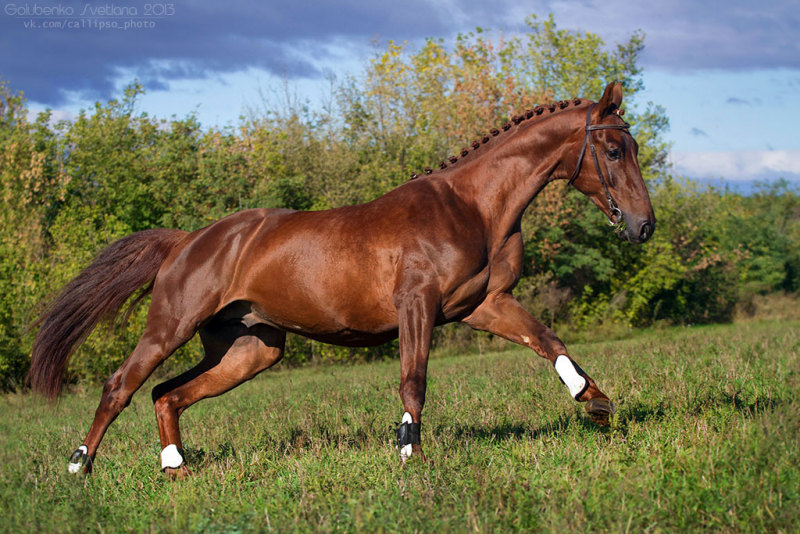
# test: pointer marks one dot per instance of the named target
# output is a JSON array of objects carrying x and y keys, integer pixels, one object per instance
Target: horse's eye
[{"x": 614, "y": 153}]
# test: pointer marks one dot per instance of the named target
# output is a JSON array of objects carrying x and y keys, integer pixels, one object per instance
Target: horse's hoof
[
  {"x": 600, "y": 411},
  {"x": 412, "y": 451},
  {"x": 177, "y": 473},
  {"x": 80, "y": 461}
]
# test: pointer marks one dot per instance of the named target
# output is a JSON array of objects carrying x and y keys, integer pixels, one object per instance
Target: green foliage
[
  {"x": 30, "y": 185},
  {"x": 565, "y": 63},
  {"x": 71, "y": 188}
]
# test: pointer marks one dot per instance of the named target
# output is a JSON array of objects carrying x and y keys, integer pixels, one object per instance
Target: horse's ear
[{"x": 611, "y": 100}]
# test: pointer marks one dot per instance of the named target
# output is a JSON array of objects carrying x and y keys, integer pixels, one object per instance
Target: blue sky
[{"x": 727, "y": 72}]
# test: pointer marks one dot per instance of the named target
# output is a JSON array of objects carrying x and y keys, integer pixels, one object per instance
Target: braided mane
[{"x": 516, "y": 120}]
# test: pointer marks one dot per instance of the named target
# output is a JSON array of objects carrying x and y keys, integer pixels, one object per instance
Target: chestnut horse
[{"x": 444, "y": 247}]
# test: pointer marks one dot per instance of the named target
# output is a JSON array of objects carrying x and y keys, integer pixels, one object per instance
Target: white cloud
[
  {"x": 56, "y": 115},
  {"x": 739, "y": 165}
]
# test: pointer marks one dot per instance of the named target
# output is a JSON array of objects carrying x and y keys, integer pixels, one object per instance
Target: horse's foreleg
[
  {"x": 234, "y": 354},
  {"x": 416, "y": 317},
  {"x": 504, "y": 316}
]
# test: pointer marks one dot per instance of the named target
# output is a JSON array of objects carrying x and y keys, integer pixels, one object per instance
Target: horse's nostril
[{"x": 646, "y": 231}]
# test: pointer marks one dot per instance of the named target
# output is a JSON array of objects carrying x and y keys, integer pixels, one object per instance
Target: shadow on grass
[
  {"x": 632, "y": 411},
  {"x": 300, "y": 438},
  {"x": 746, "y": 406},
  {"x": 642, "y": 412},
  {"x": 508, "y": 431},
  {"x": 196, "y": 456}
]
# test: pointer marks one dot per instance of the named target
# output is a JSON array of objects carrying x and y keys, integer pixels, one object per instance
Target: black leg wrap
[
  {"x": 583, "y": 374},
  {"x": 582, "y": 391},
  {"x": 81, "y": 458},
  {"x": 408, "y": 433}
]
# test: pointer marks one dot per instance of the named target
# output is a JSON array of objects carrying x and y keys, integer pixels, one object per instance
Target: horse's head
[{"x": 607, "y": 170}]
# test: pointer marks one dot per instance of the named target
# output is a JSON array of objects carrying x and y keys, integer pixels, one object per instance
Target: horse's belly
[
  {"x": 328, "y": 306},
  {"x": 351, "y": 338},
  {"x": 330, "y": 322}
]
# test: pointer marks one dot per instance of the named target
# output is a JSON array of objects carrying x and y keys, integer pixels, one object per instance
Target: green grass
[{"x": 706, "y": 437}]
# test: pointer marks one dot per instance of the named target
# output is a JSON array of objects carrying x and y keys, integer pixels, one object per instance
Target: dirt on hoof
[
  {"x": 178, "y": 474},
  {"x": 600, "y": 411}
]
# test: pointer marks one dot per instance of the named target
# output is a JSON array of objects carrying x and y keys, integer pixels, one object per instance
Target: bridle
[{"x": 587, "y": 140}]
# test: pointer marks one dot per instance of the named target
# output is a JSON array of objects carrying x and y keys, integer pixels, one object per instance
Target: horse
[{"x": 443, "y": 247}]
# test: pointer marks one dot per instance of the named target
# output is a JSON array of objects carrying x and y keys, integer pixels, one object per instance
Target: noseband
[{"x": 587, "y": 140}]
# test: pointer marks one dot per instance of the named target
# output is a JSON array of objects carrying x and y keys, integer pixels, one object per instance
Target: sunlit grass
[{"x": 706, "y": 437}]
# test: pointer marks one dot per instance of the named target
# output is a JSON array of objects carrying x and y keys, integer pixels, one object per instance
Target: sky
[{"x": 727, "y": 72}]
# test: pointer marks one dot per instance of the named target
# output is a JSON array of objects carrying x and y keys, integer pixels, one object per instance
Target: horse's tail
[{"x": 97, "y": 293}]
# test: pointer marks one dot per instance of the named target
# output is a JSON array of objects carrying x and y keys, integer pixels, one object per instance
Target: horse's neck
[{"x": 502, "y": 183}]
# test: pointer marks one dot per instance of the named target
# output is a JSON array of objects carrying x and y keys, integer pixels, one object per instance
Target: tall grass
[{"x": 706, "y": 437}]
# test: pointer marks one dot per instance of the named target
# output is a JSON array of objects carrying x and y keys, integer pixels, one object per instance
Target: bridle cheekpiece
[{"x": 587, "y": 140}]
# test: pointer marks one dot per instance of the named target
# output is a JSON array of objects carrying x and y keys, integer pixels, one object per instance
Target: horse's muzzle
[{"x": 638, "y": 230}]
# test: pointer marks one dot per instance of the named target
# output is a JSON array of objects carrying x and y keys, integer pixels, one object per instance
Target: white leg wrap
[
  {"x": 566, "y": 370},
  {"x": 75, "y": 467},
  {"x": 171, "y": 457},
  {"x": 405, "y": 451}
]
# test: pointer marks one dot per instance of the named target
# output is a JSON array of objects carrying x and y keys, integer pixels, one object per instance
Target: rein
[{"x": 587, "y": 140}]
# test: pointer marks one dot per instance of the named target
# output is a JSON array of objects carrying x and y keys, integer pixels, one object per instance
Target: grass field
[{"x": 707, "y": 436}]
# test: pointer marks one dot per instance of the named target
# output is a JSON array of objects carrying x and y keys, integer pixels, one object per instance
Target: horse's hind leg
[
  {"x": 157, "y": 343},
  {"x": 235, "y": 353}
]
